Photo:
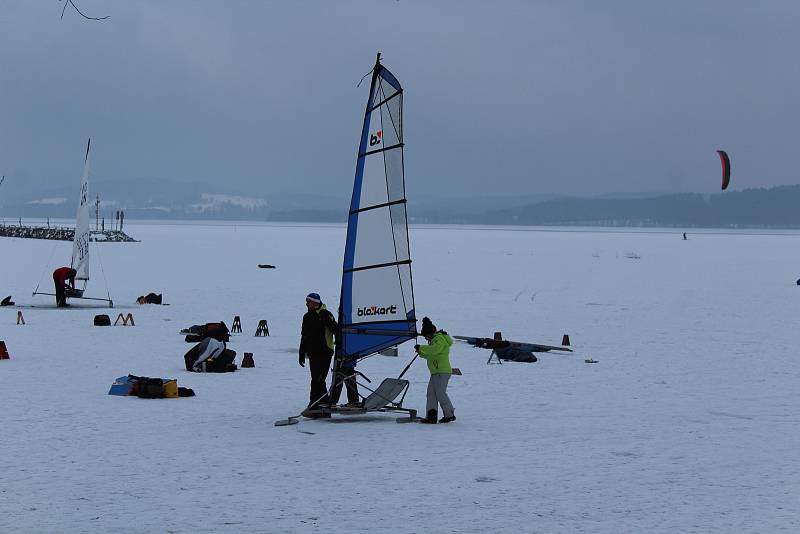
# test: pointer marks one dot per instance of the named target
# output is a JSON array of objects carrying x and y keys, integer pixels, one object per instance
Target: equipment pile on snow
[{"x": 210, "y": 356}]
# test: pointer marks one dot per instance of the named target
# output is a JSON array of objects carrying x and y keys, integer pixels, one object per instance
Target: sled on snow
[{"x": 381, "y": 399}]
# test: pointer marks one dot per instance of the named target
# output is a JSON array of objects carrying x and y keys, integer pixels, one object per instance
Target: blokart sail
[{"x": 376, "y": 308}]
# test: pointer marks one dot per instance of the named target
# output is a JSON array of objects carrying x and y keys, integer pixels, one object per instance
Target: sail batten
[{"x": 377, "y": 298}]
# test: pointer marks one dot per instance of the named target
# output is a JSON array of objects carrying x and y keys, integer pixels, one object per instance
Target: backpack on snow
[
  {"x": 154, "y": 388},
  {"x": 218, "y": 331}
]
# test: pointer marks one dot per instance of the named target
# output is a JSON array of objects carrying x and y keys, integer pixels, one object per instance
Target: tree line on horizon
[{"x": 775, "y": 207}]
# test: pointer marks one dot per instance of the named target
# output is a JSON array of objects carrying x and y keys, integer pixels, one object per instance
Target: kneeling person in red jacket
[{"x": 63, "y": 278}]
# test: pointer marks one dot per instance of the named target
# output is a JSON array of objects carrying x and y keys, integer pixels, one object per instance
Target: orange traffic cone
[
  {"x": 4, "y": 351},
  {"x": 247, "y": 360},
  {"x": 565, "y": 341}
]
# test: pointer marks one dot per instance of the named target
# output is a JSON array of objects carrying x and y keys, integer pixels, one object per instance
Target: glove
[
  {"x": 416, "y": 348},
  {"x": 302, "y": 360}
]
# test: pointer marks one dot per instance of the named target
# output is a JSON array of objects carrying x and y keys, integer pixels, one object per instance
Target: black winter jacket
[{"x": 313, "y": 341}]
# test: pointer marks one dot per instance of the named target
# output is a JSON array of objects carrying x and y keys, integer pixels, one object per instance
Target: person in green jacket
[{"x": 437, "y": 354}]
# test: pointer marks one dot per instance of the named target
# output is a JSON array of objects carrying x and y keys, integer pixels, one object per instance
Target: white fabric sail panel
[
  {"x": 400, "y": 230},
  {"x": 382, "y": 179},
  {"x": 373, "y": 183},
  {"x": 405, "y": 286},
  {"x": 80, "y": 245},
  {"x": 382, "y": 91},
  {"x": 391, "y": 121},
  {"x": 376, "y": 241},
  {"x": 376, "y": 300}
]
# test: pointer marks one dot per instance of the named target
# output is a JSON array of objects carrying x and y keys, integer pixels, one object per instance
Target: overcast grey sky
[{"x": 571, "y": 97}]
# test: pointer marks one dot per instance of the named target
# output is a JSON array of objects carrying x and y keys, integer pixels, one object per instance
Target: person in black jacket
[{"x": 316, "y": 344}]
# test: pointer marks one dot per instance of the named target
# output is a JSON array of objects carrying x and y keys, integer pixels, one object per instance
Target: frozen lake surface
[{"x": 689, "y": 421}]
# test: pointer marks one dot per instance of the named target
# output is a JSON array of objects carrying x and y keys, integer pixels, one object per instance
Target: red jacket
[{"x": 61, "y": 275}]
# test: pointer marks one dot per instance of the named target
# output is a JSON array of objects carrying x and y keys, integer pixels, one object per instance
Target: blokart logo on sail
[
  {"x": 375, "y": 139},
  {"x": 375, "y": 310}
]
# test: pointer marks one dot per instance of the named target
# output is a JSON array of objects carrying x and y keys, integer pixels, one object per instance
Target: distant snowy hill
[{"x": 165, "y": 199}]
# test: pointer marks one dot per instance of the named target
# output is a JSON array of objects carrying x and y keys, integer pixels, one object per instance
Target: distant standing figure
[
  {"x": 63, "y": 279},
  {"x": 684, "y": 236},
  {"x": 437, "y": 353},
  {"x": 316, "y": 344}
]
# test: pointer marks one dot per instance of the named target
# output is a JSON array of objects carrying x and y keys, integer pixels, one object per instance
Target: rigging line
[
  {"x": 362, "y": 78},
  {"x": 102, "y": 271},
  {"x": 405, "y": 214},
  {"x": 46, "y": 265},
  {"x": 388, "y": 196},
  {"x": 386, "y": 99},
  {"x": 399, "y": 119}
]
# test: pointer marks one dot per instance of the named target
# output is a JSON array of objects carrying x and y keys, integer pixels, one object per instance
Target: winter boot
[
  {"x": 446, "y": 419},
  {"x": 431, "y": 418}
]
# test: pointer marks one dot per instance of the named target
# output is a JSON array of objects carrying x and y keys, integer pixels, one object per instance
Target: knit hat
[
  {"x": 314, "y": 297},
  {"x": 428, "y": 328}
]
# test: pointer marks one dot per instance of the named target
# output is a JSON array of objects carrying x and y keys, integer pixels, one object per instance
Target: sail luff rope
[{"x": 46, "y": 265}]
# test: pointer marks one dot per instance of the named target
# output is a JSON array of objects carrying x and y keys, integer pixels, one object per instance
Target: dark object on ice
[
  {"x": 684, "y": 236},
  {"x": 265, "y": 266},
  {"x": 798, "y": 283},
  {"x": 514, "y": 354},
  {"x": 218, "y": 331},
  {"x": 7, "y": 301},
  {"x": 210, "y": 356},
  {"x": 148, "y": 388},
  {"x": 489, "y": 343},
  {"x": 247, "y": 360},
  {"x": 150, "y": 298},
  {"x": 102, "y": 320}
]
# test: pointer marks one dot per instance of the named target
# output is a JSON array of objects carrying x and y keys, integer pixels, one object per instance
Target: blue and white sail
[
  {"x": 376, "y": 309},
  {"x": 80, "y": 245}
]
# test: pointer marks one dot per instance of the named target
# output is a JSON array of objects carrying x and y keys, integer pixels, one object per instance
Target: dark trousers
[
  {"x": 348, "y": 376},
  {"x": 319, "y": 365},
  {"x": 61, "y": 295}
]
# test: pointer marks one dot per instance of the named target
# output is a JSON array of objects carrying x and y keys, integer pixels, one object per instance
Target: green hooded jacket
[{"x": 438, "y": 353}]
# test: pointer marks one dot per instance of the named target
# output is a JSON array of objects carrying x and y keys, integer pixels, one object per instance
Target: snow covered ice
[{"x": 687, "y": 423}]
